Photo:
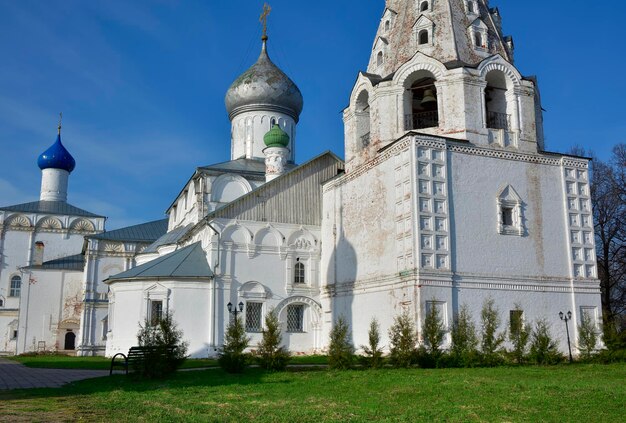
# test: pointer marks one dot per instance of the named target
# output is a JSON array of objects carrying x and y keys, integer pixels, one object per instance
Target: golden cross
[
  {"x": 60, "y": 120},
  {"x": 263, "y": 19}
]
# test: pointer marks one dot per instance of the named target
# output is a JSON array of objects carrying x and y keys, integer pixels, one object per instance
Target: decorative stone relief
[
  {"x": 404, "y": 203},
  {"x": 433, "y": 208},
  {"x": 580, "y": 222},
  {"x": 49, "y": 223}
]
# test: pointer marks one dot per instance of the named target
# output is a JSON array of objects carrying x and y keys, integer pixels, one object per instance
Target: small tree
[
  {"x": 340, "y": 350},
  {"x": 543, "y": 348},
  {"x": 519, "y": 335},
  {"x": 434, "y": 330},
  {"x": 587, "y": 336},
  {"x": 231, "y": 355},
  {"x": 165, "y": 350},
  {"x": 491, "y": 340},
  {"x": 373, "y": 351},
  {"x": 464, "y": 339},
  {"x": 271, "y": 355},
  {"x": 403, "y": 340}
]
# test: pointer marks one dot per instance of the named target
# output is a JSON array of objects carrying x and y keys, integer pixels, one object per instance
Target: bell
[{"x": 429, "y": 98}]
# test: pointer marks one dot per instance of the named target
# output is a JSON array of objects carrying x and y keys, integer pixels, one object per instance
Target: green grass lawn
[{"x": 563, "y": 393}]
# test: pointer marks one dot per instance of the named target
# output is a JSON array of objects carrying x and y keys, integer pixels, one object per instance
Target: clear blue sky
[{"x": 141, "y": 84}]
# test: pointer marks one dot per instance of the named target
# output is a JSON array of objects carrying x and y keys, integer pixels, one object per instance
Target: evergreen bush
[
  {"x": 271, "y": 355},
  {"x": 165, "y": 349},
  {"x": 464, "y": 349},
  {"x": 231, "y": 355},
  {"x": 588, "y": 336},
  {"x": 543, "y": 348},
  {"x": 340, "y": 350},
  {"x": 491, "y": 340},
  {"x": 403, "y": 340},
  {"x": 519, "y": 335},
  {"x": 373, "y": 351},
  {"x": 434, "y": 331}
]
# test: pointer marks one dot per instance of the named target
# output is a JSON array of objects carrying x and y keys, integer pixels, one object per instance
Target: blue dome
[{"x": 57, "y": 157}]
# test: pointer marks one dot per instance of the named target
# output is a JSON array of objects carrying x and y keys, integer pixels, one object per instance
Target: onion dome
[
  {"x": 57, "y": 157},
  {"x": 276, "y": 137},
  {"x": 264, "y": 87}
]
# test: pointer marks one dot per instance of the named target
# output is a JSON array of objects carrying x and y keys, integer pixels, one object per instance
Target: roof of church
[
  {"x": 57, "y": 157},
  {"x": 75, "y": 262},
  {"x": 238, "y": 165},
  {"x": 188, "y": 262},
  {"x": 168, "y": 238},
  {"x": 50, "y": 207},
  {"x": 144, "y": 232}
]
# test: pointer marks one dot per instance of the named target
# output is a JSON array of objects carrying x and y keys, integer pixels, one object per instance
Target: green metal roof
[
  {"x": 169, "y": 238},
  {"x": 186, "y": 263},
  {"x": 75, "y": 262},
  {"x": 50, "y": 207},
  {"x": 145, "y": 232}
]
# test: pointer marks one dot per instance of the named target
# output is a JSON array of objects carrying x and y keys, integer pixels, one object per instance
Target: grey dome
[{"x": 264, "y": 87}]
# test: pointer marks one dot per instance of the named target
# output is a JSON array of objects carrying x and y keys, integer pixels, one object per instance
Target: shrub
[
  {"x": 373, "y": 352},
  {"x": 402, "y": 339},
  {"x": 543, "y": 349},
  {"x": 519, "y": 335},
  {"x": 271, "y": 355},
  {"x": 491, "y": 341},
  {"x": 231, "y": 355},
  {"x": 587, "y": 336},
  {"x": 434, "y": 331},
  {"x": 464, "y": 350},
  {"x": 340, "y": 350},
  {"x": 165, "y": 349}
]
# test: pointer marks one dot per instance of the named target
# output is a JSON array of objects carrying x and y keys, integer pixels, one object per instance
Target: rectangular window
[
  {"x": 156, "y": 312},
  {"x": 516, "y": 320},
  {"x": 254, "y": 317},
  {"x": 295, "y": 318},
  {"x": 14, "y": 334},
  {"x": 299, "y": 273},
  {"x": 507, "y": 216},
  {"x": 16, "y": 286}
]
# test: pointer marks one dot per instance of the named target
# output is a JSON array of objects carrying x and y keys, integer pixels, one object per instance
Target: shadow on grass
[{"x": 132, "y": 383}]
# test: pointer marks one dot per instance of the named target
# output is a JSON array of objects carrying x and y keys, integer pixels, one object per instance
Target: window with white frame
[
  {"x": 299, "y": 273},
  {"x": 156, "y": 312},
  {"x": 380, "y": 59},
  {"x": 424, "y": 6},
  {"x": 295, "y": 318},
  {"x": 591, "y": 313},
  {"x": 16, "y": 286},
  {"x": 471, "y": 7},
  {"x": 510, "y": 219},
  {"x": 423, "y": 31},
  {"x": 387, "y": 25},
  {"x": 254, "y": 316}
]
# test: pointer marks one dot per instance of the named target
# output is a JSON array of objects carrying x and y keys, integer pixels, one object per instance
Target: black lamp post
[
  {"x": 567, "y": 318},
  {"x": 233, "y": 310}
]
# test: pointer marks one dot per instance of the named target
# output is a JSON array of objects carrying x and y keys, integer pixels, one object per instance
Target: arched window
[
  {"x": 379, "y": 58},
  {"x": 499, "y": 108},
  {"x": 298, "y": 276},
  {"x": 478, "y": 39},
  {"x": 363, "y": 120},
  {"x": 424, "y": 6},
  {"x": 423, "y": 37},
  {"x": 387, "y": 25},
  {"x": 422, "y": 107},
  {"x": 16, "y": 286},
  {"x": 470, "y": 6}
]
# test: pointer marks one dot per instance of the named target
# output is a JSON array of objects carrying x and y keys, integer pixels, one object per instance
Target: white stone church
[{"x": 446, "y": 197}]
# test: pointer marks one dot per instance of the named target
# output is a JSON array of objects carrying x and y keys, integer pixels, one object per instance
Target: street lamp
[
  {"x": 567, "y": 318},
  {"x": 233, "y": 310}
]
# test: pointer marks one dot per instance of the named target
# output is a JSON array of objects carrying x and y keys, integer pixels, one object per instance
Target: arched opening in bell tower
[
  {"x": 363, "y": 119},
  {"x": 498, "y": 101},
  {"x": 421, "y": 102}
]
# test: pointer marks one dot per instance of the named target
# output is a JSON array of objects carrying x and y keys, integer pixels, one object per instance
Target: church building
[{"x": 446, "y": 197}]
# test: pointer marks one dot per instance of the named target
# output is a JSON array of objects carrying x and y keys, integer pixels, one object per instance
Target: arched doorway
[{"x": 70, "y": 341}]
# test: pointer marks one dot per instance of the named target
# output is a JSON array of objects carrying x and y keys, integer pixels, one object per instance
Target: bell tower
[{"x": 442, "y": 67}]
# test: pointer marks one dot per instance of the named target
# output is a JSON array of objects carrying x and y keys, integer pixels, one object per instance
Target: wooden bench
[{"x": 137, "y": 355}]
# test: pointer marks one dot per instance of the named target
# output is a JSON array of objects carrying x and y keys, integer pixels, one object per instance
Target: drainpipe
[{"x": 217, "y": 264}]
